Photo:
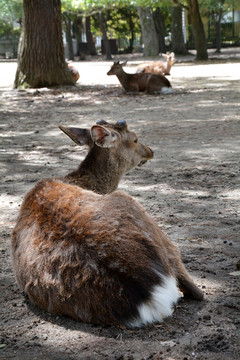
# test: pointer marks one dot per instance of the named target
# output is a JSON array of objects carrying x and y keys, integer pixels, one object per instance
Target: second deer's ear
[
  {"x": 79, "y": 136},
  {"x": 103, "y": 137}
]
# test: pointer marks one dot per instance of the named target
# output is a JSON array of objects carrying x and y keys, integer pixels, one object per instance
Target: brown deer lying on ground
[
  {"x": 74, "y": 72},
  {"x": 140, "y": 82},
  {"x": 97, "y": 256},
  {"x": 158, "y": 67}
]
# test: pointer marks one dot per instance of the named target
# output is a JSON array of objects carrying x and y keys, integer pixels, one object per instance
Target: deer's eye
[{"x": 136, "y": 140}]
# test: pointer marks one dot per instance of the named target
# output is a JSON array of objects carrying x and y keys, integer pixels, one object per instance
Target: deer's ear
[
  {"x": 103, "y": 137},
  {"x": 79, "y": 136}
]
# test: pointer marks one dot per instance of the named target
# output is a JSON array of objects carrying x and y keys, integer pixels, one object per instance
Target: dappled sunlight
[
  {"x": 10, "y": 205},
  {"x": 10, "y": 200},
  {"x": 56, "y": 132},
  {"x": 216, "y": 70},
  {"x": 35, "y": 158},
  {"x": 190, "y": 188},
  {"x": 209, "y": 283},
  {"x": 166, "y": 189},
  {"x": 212, "y": 153},
  {"x": 231, "y": 194}
]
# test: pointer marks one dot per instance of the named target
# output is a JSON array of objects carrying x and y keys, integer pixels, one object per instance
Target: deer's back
[
  {"x": 156, "y": 67},
  {"x": 93, "y": 257},
  {"x": 144, "y": 80}
]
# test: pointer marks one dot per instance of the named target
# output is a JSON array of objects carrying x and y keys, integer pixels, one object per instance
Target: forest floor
[{"x": 191, "y": 188}]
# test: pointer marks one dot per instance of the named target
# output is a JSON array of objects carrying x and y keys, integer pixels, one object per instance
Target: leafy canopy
[{"x": 10, "y": 12}]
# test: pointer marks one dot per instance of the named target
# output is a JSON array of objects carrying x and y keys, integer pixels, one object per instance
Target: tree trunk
[
  {"x": 217, "y": 25},
  {"x": 104, "y": 36},
  {"x": 68, "y": 25},
  {"x": 91, "y": 45},
  {"x": 233, "y": 22},
  {"x": 159, "y": 21},
  {"x": 149, "y": 34},
  {"x": 178, "y": 45},
  {"x": 131, "y": 27},
  {"x": 198, "y": 30},
  {"x": 41, "y": 54},
  {"x": 77, "y": 30}
]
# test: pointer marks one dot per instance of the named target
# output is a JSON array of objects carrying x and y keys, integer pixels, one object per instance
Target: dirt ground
[{"x": 191, "y": 188}]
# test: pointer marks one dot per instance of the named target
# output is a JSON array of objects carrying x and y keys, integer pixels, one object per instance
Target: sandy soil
[{"x": 191, "y": 188}]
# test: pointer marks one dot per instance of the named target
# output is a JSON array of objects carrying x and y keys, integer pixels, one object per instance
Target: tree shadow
[{"x": 188, "y": 188}]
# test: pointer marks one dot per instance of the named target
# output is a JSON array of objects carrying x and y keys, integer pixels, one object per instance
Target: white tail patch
[
  {"x": 160, "y": 305},
  {"x": 166, "y": 90}
]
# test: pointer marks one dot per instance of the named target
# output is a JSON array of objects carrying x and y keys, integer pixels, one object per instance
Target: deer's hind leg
[
  {"x": 185, "y": 282},
  {"x": 148, "y": 89},
  {"x": 189, "y": 289}
]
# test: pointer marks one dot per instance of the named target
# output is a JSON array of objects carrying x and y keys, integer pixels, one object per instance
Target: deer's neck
[
  {"x": 124, "y": 79},
  {"x": 167, "y": 67},
  {"x": 98, "y": 172}
]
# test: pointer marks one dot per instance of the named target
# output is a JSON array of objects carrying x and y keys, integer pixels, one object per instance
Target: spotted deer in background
[
  {"x": 140, "y": 82},
  {"x": 158, "y": 67}
]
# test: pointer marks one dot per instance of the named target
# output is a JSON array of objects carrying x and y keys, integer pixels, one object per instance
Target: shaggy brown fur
[{"x": 95, "y": 258}]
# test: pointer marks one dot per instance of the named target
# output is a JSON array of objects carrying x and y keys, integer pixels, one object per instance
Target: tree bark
[
  {"x": 91, "y": 45},
  {"x": 159, "y": 21},
  {"x": 149, "y": 34},
  {"x": 41, "y": 59},
  {"x": 198, "y": 30},
  {"x": 178, "y": 45},
  {"x": 104, "y": 36},
  {"x": 217, "y": 25},
  {"x": 131, "y": 27},
  {"x": 68, "y": 24},
  {"x": 77, "y": 30}
]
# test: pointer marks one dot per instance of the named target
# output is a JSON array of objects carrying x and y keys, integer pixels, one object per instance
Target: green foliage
[
  {"x": 117, "y": 11},
  {"x": 91, "y": 6},
  {"x": 7, "y": 30},
  {"x": 71, "y": 6},
  {"x": 119, "y": 21},
  {"x": 10, "y": 11},
  {"x": 209, "y": 7}
]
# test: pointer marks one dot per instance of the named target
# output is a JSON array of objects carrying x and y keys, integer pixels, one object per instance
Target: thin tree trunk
[
  {"x": 218, "y": 31},
  {"x": 68, "y": 25},
  {"x": 91, "y": 45},
  {"x": 149, "y": 34},
  {"x": 198, "y": 30},
  {"x": 178, "y": 45},
  {"x": 77, "y": 30},
  {"x": 131, "y": 40},
  {"x": 104, "y": 36},
  {"x": 233, "y": 22},
  {"x": 41, "y": 59}
]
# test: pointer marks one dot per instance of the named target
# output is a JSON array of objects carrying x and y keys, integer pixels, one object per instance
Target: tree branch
[{"x": 179, "y": 3}]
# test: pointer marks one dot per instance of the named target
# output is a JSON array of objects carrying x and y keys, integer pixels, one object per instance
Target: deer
[
  {"x": 83, "y": 249},
  {"x": 73, "y": 71},
  {"x": 140, "y": 82},
  {"x": 158, "y": 67}
]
